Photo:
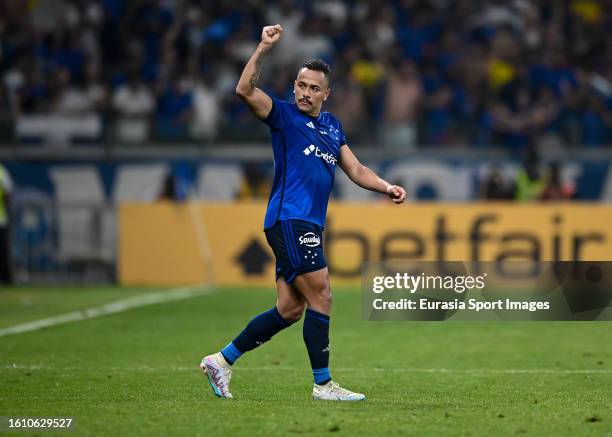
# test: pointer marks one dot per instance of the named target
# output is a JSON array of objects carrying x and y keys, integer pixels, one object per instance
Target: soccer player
[{"x": 307, "y": 145}]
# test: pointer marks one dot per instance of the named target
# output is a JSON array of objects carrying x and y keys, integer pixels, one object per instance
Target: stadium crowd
[{"x": 405, "y": 72}]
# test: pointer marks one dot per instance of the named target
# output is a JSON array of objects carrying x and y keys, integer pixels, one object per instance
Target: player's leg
[
  {"x": 289, "y": 302},
  {"x": 289, "y": 309},
  {"x": 315, "y": 288},
  {"x": 264, "y": 326}
]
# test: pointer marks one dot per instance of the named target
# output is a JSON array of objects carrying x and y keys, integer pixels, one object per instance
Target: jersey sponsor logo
[
  {"x": 325, "y": 156},
  {"x": 309, "y": 149},
  {"x": 309, "y": 239}
]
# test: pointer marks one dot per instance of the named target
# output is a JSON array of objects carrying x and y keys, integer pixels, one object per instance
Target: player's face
[{"x": 311, "y": 89}]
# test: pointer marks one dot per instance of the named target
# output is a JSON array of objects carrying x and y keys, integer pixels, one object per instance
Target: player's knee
[
  {"x": 292, "y": 313},
  {"x": 295, "y": 313},
  {"x": 325, "y": 297}
]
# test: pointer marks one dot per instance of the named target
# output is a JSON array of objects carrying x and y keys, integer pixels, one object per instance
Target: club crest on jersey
[
  {"x": 309, "y": 239},
  {"x": 327, "y": 157}
]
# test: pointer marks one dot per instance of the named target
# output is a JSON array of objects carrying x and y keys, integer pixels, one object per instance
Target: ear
[{"x": 327, "y": 93}]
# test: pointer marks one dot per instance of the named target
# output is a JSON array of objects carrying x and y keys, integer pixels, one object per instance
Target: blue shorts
[{"x": 297, "y": 246}]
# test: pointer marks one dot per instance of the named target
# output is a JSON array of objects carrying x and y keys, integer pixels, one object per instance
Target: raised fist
[{"x": 271, "y": 34}]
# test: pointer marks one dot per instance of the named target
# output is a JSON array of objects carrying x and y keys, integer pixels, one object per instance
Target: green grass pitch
[{"x": 135, "y": 373}]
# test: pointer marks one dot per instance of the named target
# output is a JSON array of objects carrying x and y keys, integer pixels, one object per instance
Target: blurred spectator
[
  {"x": 347, "y": 104},
  {"x": 174, "y": 110},
  {"x": 134, "y": 104},
  {"x": 314, "y": 41},
  {"x": 176, "y": 184},
  {"x": 496, "y": 186},
  {"x": 402, "y": 101},
  {"x": 529, "y": 183},
  {"x": 206, "y": 109},
  {"x": 68, "y": 53},
  {"x": 556, "y": 188},
  {"x": 369, "y": 74},
  {"x": 438, "y": 116},
  {"x": 168, "y": 188},
  {"x": 596, "y": 119},
  {"x": 86, "y": 97},
  {"x": 6, "y": 189},
  {"x": 286, "y": 13},
  {"x": 255, "y": 184},
  {"x": 27, "y": 89}
]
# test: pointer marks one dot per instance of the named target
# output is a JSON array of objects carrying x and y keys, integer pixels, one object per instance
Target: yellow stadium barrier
[{"x": 175, "y": 244}]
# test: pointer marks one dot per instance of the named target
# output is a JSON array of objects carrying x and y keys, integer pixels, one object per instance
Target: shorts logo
[{"x": 310, "y": 239}]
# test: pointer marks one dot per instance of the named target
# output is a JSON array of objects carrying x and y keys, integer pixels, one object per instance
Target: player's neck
[{"x": 313, "y": 114}]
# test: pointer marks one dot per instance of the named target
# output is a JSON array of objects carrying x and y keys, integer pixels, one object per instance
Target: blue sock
[
  {"x": 316, "y": 337},
  {"x": 259, "y": 330}
]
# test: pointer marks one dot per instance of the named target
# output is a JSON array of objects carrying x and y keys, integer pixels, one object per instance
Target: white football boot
[
  {"x": 219, "y": 374},
  {"x": 333, "y": 392}
]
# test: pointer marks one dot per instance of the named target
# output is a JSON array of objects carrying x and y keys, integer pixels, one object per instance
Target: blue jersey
[{"x": 306, "y": 152}]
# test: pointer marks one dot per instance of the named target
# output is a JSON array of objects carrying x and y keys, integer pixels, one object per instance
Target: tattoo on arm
[{"x": 255, "y": 75}]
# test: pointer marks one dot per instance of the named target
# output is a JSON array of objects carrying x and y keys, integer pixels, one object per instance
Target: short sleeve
[{"x": 280, "y": 114}]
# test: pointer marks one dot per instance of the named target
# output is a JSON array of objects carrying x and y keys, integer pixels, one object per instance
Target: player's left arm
[{"x": 366, "y": 178}]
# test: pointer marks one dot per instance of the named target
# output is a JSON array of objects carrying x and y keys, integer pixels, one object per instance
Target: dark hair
[{"x": 318, "y": 65}]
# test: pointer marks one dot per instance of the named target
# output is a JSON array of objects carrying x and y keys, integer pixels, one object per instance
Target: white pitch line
[
  {"x": 109, "y": 308},
  {"x": 506, "y": 371},
  {"x": 305, "y": 369}
]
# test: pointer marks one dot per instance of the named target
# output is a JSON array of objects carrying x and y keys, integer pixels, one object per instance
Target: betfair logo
[
  {"x": 309, "y": 149},
  {"x": 325, "y": 156}
]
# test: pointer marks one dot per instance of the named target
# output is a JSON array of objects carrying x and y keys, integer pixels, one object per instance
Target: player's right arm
[
  {"x": 258, "y": 102},
  {"x": 366, "y": 178}
]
